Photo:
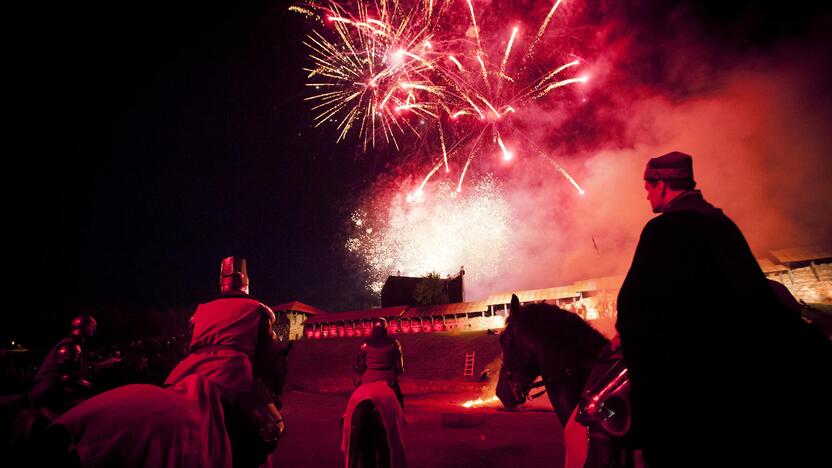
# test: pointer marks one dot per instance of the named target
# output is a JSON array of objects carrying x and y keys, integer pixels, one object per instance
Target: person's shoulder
[
  {"x": 237, "y": 297},
  {"x": 68, "y": 351},
  {"x": 694, "y": 222},
  {"x": 68, "y": 340},
  {"x": 666, "y": 229},
  {"x": 673, "y": 219},
  {"x": 658, "y": 224}
]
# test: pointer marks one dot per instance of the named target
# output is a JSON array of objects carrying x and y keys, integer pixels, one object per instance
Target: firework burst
[
  {"x": 376, "y": 73},
  {"x": 444, "y": 232},
  {"x": 381, "y": 64}
]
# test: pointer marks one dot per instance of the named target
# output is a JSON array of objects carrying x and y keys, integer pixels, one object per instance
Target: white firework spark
[{"x": 440, "y": 233}]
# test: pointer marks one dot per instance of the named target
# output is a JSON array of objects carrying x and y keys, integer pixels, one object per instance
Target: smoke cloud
[
  {"x": 757, "y": 126},
  {"x": 744, "y": 90}
]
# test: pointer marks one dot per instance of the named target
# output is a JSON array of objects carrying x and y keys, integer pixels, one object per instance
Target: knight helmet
[
  {"x": 84, "y": 326},
  {"x": 379, "y": 326},
  {"x": 233, "y": 275}
]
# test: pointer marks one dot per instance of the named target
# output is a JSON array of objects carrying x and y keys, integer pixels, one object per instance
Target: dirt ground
[{"x": 476, "y": 437}]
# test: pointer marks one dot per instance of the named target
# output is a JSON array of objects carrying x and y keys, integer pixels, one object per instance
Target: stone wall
[{"x": 811, "y": 284}]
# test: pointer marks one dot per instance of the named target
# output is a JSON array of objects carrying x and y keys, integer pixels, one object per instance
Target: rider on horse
[
  {"x": 222, "y": 350},
  {"x": 380, "y": 358},
  {"x": 61, "y": 380}
]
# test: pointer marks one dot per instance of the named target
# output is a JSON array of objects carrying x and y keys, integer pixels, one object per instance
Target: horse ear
[{"x": 515, "y": 305}]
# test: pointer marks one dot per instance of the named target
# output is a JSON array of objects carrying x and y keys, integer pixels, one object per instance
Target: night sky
[
  {"x": 158, "y": 137},
  {"x": 177, "y": 141}
]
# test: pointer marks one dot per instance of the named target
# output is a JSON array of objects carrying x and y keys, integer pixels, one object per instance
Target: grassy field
[{"x": 434, "y": 362}]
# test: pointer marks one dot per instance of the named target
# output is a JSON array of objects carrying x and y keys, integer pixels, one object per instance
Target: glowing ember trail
[
  {"x": 387, "y": 67},
  {"x": 563, "y": 172},
  {"x": 506, "y": 154},
  {"x": 540, "y": 32},
  {"x": 476, "y": 29},
  {"x": 505, "y": 59}
]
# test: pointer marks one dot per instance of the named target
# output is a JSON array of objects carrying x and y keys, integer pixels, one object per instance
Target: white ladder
[{"x": 469, "y": 365}]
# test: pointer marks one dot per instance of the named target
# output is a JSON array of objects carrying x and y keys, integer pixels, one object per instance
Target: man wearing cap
[
  {"x": 380, "y": 359},
  {"x": 720, "y": 369}
]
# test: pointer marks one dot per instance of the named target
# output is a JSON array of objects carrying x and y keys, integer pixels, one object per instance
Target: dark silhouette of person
[
  {"x": 232, "y": 340},
  {"x": 61, "y": 382},
  {"x": 721, "y": 371},
  {"x": 217, "y": 408},
  {"x": 380, "y": 358}
]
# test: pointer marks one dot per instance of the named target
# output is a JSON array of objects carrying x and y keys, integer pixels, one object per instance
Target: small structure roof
[
  {"x": 446, "y": 309},
  {"x": 802, "y": 254},
  {"x": 297, "y": 306},
  {"x": 533, "y": 295},
  {"x": 354, "y": 315},
  {"x": 770, "y": 267},
  {"x": 607, "y": 283}
]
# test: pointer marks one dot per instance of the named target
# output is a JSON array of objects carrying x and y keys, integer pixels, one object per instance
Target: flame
[{"x": 480, "y": 402}]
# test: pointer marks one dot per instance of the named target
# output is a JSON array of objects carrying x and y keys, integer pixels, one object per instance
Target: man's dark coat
[{"x": 720, "y": 369}]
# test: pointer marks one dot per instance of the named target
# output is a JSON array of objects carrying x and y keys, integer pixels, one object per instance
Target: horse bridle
[
  {"x": 521, "y": 394},
  {"x": 542, "y": 383}
]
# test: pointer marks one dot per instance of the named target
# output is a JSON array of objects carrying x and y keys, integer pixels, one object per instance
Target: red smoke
[
  {"x": 757, "y": 126},
  {"x": 750, "y": 104}
]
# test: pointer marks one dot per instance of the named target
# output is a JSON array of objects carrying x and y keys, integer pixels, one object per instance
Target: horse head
[
  {"x": 520, "y": 365},
  {"x": 541, "y": 340}
]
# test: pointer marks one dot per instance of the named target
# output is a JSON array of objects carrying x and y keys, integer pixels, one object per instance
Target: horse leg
[
  {"x": 564, "y": 398},
  {"x": 576, "y": 442},
  {"x": 382, "y": 450},
  {"x": 24, "y": 431},
  {"x": 362, "y": 451},
  {"x": 606, "y": 451},
  {"x": 248, "y": 447},
  {"x": 602, "y": 452},
  {"x": 399, "y": 395},
  {"x": 55, "y": 448}
]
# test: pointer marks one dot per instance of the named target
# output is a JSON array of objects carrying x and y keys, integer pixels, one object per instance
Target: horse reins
[{"x": 538, "y": 394}]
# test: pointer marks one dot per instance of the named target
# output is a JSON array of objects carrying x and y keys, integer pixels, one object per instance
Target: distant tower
[{"x": 462, "y": 283}]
